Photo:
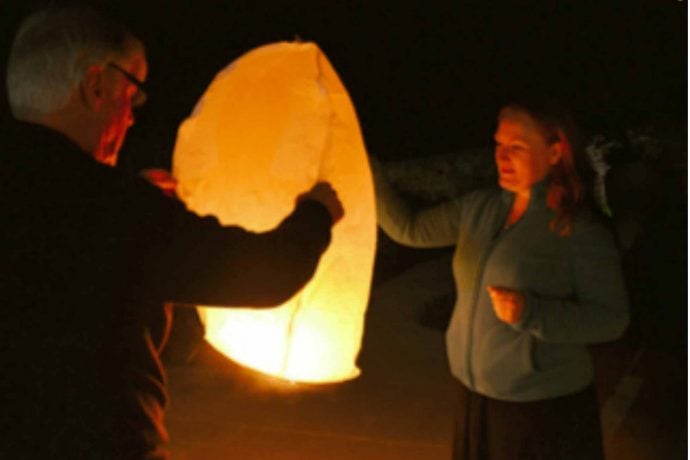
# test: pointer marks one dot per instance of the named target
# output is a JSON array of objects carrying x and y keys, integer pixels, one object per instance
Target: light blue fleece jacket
[{"x": 574, "y": 290}]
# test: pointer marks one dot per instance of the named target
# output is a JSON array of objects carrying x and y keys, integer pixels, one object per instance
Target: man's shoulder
[
  {"x": 27, "y": 135},
  {"x": 42, "y": 166},
  {"x": 38, "y": 151}
]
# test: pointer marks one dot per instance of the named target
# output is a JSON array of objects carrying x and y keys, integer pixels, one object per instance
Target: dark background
[{"x": 426, "y": 77}]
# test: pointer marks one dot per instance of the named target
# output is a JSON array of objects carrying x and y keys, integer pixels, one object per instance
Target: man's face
[{"x": 120, "y": 96}]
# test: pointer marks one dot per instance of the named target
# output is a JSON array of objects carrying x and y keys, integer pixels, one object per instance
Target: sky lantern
[{"x": 270, "y": 125}]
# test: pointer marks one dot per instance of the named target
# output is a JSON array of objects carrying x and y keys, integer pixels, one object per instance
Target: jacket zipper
[{"x": 478, "y": 284}]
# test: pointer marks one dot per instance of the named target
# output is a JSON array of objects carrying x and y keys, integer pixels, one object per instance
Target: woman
[{"x": 537, "y": 278}]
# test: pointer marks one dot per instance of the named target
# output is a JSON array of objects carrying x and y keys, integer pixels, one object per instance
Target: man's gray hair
[{"x": 51, "y": 53}]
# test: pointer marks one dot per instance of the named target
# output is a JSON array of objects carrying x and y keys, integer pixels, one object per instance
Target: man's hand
[
  {"x": 161, "y": 178},
  {"x": 509, "y": 304},
  {"x": 324, "y": 194}
]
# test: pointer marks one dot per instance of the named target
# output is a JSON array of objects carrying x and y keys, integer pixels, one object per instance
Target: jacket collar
[{"x": 537, "y": 199}]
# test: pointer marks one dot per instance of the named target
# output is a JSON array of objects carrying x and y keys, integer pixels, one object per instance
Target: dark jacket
[{"x": 89, "y": 256}]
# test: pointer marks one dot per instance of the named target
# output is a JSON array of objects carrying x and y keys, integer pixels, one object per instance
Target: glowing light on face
[
  {"x": 523, "y": 157},
  {"x": 120, "y": 99},
  {"x": 269, "y": 126}
]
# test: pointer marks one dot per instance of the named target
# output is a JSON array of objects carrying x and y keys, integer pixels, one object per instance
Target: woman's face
[{"x": 523, "y": 155}]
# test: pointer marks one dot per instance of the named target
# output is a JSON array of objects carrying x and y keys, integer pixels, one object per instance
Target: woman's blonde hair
[{"x": 567, "y": 182}]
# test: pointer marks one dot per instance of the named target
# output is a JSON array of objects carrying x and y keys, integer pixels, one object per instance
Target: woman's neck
[{"x": 520, "y": 204}]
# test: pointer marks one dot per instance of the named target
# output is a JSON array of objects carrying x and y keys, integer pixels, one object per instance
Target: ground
[{"x": 401, "y": 405}]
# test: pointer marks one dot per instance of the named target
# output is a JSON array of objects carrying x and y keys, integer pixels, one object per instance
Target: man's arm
[{"x": 198, "y": 261}]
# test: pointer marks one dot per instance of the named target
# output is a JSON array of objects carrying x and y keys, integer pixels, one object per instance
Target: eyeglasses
[{"x": 141, "y": 94}]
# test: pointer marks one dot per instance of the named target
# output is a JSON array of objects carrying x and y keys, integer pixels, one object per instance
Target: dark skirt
[{"x": 564, "y": 428}]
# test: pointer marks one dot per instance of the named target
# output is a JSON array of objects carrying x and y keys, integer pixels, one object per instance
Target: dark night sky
[{"x": 427, "y": 77}]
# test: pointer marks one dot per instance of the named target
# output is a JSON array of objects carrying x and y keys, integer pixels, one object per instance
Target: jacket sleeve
[
  {"x": 201, "y": 262},
  {"x": 598, "y": 312},
  {"x": 429, "y": 228}
]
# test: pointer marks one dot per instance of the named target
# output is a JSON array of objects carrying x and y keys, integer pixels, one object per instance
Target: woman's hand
[{"x": 509, "y": 304}]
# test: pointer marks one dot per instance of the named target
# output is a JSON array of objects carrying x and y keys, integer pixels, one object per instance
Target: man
[{"x": 89, "y": 255}]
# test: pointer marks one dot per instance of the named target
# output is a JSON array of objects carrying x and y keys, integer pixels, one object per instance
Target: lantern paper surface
[{"x": 271, "y": 125}]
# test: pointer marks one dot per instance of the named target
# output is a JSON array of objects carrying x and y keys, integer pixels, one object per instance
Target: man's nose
[{"x": 501, "y": 152}]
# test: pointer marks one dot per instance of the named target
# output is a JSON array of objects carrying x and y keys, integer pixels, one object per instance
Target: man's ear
[{"x": 92, "y": 89}]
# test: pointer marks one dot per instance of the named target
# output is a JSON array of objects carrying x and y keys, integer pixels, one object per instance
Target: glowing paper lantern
[{"x": 270, "y": 125}]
